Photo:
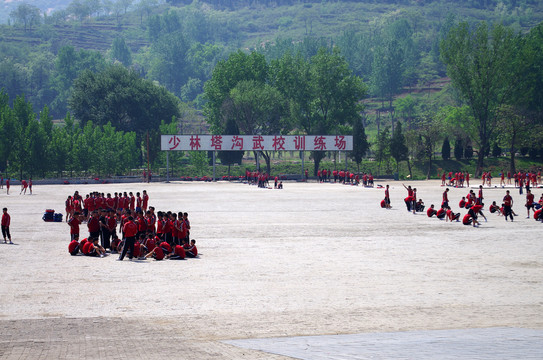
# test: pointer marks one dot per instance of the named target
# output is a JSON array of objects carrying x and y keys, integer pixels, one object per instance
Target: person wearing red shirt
[
  {"x": 450, "y": 216},
  {"x": 142, "y": 223},
  {"x": 494, "y": 208},
  {"x": 73, "y": 247},
  {"x": 132, "y": 202},
  {"x": 82, "y": 245},
  {"x": 191, "y": 250},
  {"x": 467, "y": 179},
  {"x": 138, "y": 202},
  {"x": 431, "y": 211},
  {"x": 529, "y": 202},
  {"x": 470, "y": 218},
  {"x": 508, "y": 205},
  {"x": 157, "y": 253},
  {"x": 478, "y": 209},
  {"x": 110, "y": 202},
  {"x": 87, "y": 247},
  {"x": 177, "y": 254},
  {"x": 6, "y": 221},
  {"x": 24, "y": 185},
  {"x": 441, "y": 213},
  {"x": 445, "y": 201},
  {"x": 150, "y": 219},
  {"x": 7, "y": 186},
  {"x": 74, "y": 223},
  {"x": 160, "y": 224},
  {"x": 462, "y": 202},
  {"x": 130, "y": 230},
  {"x": 409, "y": 199},
  {"x": 94, "y": 225},
  {"x": 145, "y": 200},
  {"x": 94, "y": 249},
  {"x": 387, "y": 197}
]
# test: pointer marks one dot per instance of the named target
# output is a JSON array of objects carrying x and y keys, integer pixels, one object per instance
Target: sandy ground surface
[{"x": 310, "y": 259}]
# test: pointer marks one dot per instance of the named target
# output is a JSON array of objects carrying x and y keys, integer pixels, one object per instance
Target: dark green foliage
[
  {"x": 458, "y": 149},
  {"x": 119, "y": 95},
  {"x": 360, "y": 142},
  {"x": 398, "y": 147},
  {"x": 496, "y": 151},
  {"x": 468, "y": 151},
  {"x": 230, "y": 157},
  {"x": 446, "y": 149}
]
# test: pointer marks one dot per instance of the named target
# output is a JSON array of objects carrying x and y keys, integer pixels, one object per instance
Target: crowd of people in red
[
  {"x": 143, "y": 233},
  {"x": 472, "y": 202}
]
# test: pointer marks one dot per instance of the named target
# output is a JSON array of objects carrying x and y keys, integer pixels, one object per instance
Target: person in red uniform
[
  {"x": 431, "y": 211},
  {"x": 451, "y": 215},
  {"x": 441, "y": 213},
  {"x": 470, "y": 218},
  {"x": 529, "y": 202},
  {"x": 494, "y": 208},
  {"x": 157, "y": 253},
  {"x": 478, "y": 209},
  {"x": 74, "y": 223},
  {"x": 145, "y": 200},
  {"x": 7, "y": 186},
  {"x": 94, "y": 224},
  {"x": 387, "y": 197},
  {"x": 6, "y": 221},
  {"x": 82, "y": 244},
  {"x": 409, "y": 199},
  {"x": 138, "y": 202},
  {"x": 24, "y": 186},
  {"x": 445, "y": 201},
  {"x": 508, "y": 206},
  {"x": 462, "y": 202},
  {"x": 177, "y": 254},
  {"x": 130, "y": 229},
  {"x": 132, "y": 202},
  {"x": 73, "y": 247},
  {"x": 191, "y": 249}
]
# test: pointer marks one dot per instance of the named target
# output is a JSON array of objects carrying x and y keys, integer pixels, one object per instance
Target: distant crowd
[{"x": 472, "y": 202}]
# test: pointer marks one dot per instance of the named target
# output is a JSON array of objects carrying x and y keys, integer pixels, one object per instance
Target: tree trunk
[
  {"x": 429, "y": 167},
  {"x": 267, "y": 158},
  {"x": 317, "y": 157},
  {"x": 512, "y": 163}
]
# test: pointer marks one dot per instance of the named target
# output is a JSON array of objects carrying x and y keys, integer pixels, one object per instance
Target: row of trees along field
[{"x": 310, "y": 86}]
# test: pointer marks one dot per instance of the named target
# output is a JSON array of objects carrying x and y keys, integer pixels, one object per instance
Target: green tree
[
  {"x": 360, "y": 143},
  {"x": 119, "y": 95},
  {"x": 231, "y": 157},
  {"x": 226, "y": 76},
  {"x": 382, "y": 148},
  {"x": 27, "y": 15},
  {"x": 120, "y": 52},
  {"x": 446, "y": 149},
  {"x": 481, "y": 64},
  {"x": 398, "y": 147}
]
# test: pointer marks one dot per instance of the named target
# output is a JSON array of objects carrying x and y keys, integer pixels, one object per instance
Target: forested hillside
[{"x": 55, "y": 58}]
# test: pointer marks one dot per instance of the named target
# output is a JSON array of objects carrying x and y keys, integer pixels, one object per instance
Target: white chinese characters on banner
[{"x": 256, "y": 142}]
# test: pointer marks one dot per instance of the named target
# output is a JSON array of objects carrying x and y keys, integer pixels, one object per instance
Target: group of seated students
[{"x": 147, "y": 245}]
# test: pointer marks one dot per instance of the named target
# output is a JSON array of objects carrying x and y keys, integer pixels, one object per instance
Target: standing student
[
  {"x": 74, "y": 223},
  {"x": 508, "y": 206},
  {"x": 30, "y": 185},
  {"x": 145, "y": 201},
  {"x": 387, "y": 197},
  {"x": 1, "y": 181},
  {"x": 445, "y": 201},
  {"x": 7, "y": 186},
  {"x": 6, "y": 221},
  {"x": 529, "y": 202},
  {"x": 130, "y": 230},
  {"x": 93, "y": 225}
]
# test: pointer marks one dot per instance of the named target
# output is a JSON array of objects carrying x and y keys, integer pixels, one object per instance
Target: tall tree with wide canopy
[
  {"x": 120, "y": 96},
  {"x": 481, "y": 64}
]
